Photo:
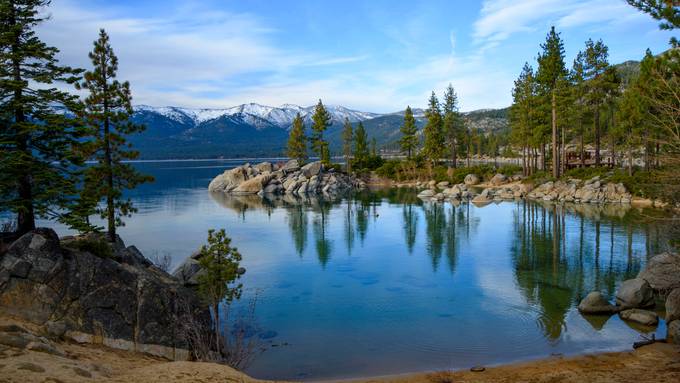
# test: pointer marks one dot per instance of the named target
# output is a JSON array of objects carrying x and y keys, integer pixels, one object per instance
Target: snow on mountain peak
[{"x": 254, "y": 113}]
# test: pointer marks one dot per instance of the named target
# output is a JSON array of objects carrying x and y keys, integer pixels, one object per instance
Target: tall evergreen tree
[
  {"x": 374, "y": 147},
  {"x": 451, "y": 122},
  {"x": 347, "y": 140},
  {"x": 598, "y": 85},
  {"x": 108, "y": 108},
  {"x": 321, "y": 120},
  {"x": 409, "y": 130},
  {"x": 522, "y": 114},
  {"x": 551, "y": 76},
  {"x": 433, "y": 147},
  {"x": 297, "y": 141},
  {"x": 39, "y": 148},
  {"x": 578, "y": 101},
  {"x": 360, "y": 145}
]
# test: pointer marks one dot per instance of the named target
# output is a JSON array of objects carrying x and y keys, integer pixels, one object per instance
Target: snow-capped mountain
[
  {"x": 256, "y": 114},
  {"x": 252, "y": 130}
]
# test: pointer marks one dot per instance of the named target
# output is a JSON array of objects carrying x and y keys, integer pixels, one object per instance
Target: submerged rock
[
  {"x": 643, "y": 317},
  {"x": 635, "y": 293},
  {"x": 596, "y": 303}
]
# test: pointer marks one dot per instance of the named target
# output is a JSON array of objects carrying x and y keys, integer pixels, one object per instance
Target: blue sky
[{"x": 371, "y": 55}]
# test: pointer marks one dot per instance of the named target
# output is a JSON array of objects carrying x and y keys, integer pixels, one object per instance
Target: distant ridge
[{"x": 255, "y": 130}]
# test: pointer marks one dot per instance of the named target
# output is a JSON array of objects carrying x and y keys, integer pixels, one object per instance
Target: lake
[{"x": 384, "y": 283}]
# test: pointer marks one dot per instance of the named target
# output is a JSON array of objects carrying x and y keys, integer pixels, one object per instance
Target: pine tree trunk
[
  {"x": 630, "y": 160},
  {"x": 646, "y": 156},
  {"x": 454, "y": 156},
  {"x": 555, "y": 153},
  {"x": 563, "y": 155},
  {"x": 581, "y": 149},
  {"x": 597, "y": 136},
  {"x": 26, "y": 214},
  {"x": 543, "y": 159},
  {"x": 110, "y": 206}
]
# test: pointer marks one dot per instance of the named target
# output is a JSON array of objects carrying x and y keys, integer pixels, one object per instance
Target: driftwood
[{"x": 647, "y": 341}]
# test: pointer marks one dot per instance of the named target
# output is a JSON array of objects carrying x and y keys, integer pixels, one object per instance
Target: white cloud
[{"x": 499, "y": 19}]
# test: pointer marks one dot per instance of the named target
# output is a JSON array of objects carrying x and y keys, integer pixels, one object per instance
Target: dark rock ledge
[{"x": 121, "y": 301}]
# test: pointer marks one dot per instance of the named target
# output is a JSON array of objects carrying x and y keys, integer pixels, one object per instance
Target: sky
[{"x": 370, "y": 55}]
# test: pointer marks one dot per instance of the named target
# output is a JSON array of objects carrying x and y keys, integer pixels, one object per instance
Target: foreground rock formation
[
  {"x": 118, "y": 299},
  {"x": 289, "y": 178},
  {"x": 658, "y": 281}
]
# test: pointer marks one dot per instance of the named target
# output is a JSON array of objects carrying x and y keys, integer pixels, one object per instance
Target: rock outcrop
[
  {"x": 634, "y": 293},
  {"x": 662, "y": 272},
  {"x": 120, "y": 300},
  {"x": 289, "y": 178},
  {"x": 593, "y": 190}
]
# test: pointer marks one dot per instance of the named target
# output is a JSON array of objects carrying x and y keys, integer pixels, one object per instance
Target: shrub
[
  {"x": 96, "y": 246},
  {"x": 586, "y": 173}
]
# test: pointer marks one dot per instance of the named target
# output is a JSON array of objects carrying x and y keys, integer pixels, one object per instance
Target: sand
[{"x": 659, "y": 362}]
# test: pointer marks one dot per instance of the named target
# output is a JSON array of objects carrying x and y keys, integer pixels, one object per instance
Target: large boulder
[
  {"x": 673, "y": 306},
  {"x": 291, "y": 166},
  {"x": 673, "y": 329},
  {"x": 253, "y": 185},
  {"x": 471, "y": 179},
  {"x": 427, "y": 193},
  {"x": 635, "y": 293},
  {"x": 499, "y": 179},
  {"x": 596, "y": 303},
  {"x": 662, "y": 272},
  {"x": 229, "y": 180},
  {"x": 98, "y": 299},
  {"x": 264, "y": 167},
  {"x": 643, "y": 317},
  {"x": 312, "y": 169}
]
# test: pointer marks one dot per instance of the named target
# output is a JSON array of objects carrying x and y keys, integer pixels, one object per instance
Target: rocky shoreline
[
  {"x": 501, "y": 187},
  {"x": 289, "y": 178},
  {"x": 637, "y": 298}
]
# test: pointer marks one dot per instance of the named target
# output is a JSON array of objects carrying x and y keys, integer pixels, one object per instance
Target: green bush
[
  {"x": 587, "y": 173},
  {"x": 95, "y": 246},
  {"x": 368, "y": 164},
  {"x": 389, "y": 169}
]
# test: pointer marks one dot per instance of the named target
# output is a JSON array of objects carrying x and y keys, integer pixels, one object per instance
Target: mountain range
[{"x": 254, "y": 130}]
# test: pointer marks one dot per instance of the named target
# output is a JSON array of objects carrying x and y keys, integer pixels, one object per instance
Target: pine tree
[
  {"x": 522, "y": 114},
  {"x": 551, "y": 76},
  {"x": 39, "y": 147},
  {"x": 597, "y": 85},
  {"x": 451, "y": 123},
  {"x": 374, "y": 147},
  {"x": 578, "y": 101},
  {"x": 297, "y": 141},
  {"x": 347, "y": 139},
  {"x": 360, "y": 146},
  {"x": 409, "y": 139},
  {"x": 433, "y": 147},
  {"x": 217, "y": 283},
  {"x": 108, "y": 108},
  {"x": 321, "y": 120}
]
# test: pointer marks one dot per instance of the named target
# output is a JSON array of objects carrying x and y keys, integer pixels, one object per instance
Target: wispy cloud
[{"x": 500, "y": 19}]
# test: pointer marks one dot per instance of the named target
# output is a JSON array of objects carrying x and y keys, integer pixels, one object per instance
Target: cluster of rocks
[
  {"x": 289, "y": 178},
  {"x": 593, "y": 190},
  {"x": 501, "y": 187},
  {"x": 120, "y": 300},
  {"x": 636, "y": 298}
]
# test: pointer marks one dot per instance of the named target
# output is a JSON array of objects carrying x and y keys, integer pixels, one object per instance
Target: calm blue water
[{"x": 382, "y": 283}]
